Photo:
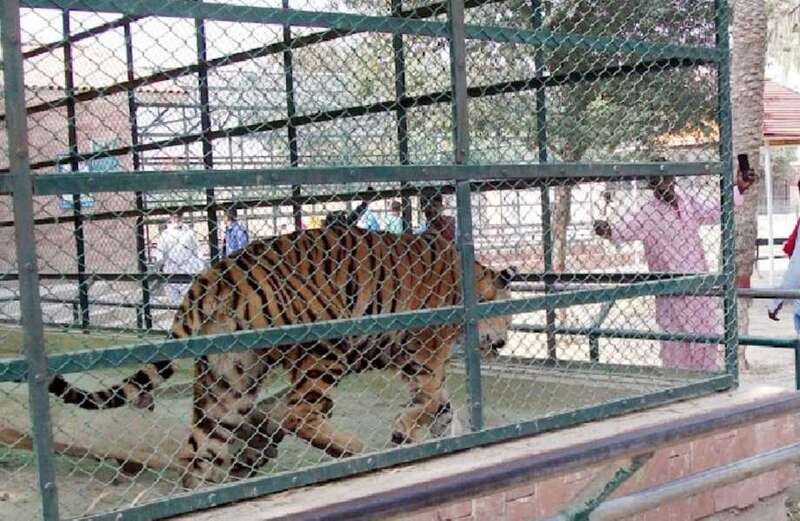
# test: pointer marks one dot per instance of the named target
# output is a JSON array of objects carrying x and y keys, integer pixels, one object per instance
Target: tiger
[{"x": 299, "y": 278}]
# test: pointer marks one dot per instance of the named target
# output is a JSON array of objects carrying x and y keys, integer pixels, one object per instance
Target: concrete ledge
[{"x": 535, "y": 477}]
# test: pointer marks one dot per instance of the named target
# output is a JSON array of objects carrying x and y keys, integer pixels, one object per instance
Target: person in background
[
  {"x": 368, "y": 219},
  {"x": 177, "y": 253},
  {"x": 669, "y": 226},
  {"x": 791, "y": 280},
  {"x": 788, "y": 246},
  {"x": 236, "y": 236},
  {"x": 394, "y": 223},
  {"x": 436, "y": 221}
]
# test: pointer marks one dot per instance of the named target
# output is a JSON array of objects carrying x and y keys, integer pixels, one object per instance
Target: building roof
[{"x": 781, "y": 115}]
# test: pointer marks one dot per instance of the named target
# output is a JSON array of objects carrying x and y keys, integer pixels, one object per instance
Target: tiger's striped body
[{"x": 304, "y": 277}]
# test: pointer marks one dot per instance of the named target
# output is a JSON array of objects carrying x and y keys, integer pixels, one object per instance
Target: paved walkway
[{"x": 769, "y": 365}]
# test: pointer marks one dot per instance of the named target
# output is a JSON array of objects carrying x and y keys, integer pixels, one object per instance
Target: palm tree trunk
[{"x": 747, "y": 71}]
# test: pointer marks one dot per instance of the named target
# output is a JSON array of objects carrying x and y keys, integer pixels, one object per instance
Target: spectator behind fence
[
  {"x": 236, "y": 236},
  {"x": 791, "y": 279},
  {"x": 668, "y": 225},
  {"x": 436, "y": 221},
  {"x": 394, "y": 223},
  {"x": 177, "y": 253}
]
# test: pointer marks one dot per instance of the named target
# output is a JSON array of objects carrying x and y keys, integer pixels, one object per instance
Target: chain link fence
[{"x": 275, "y": 244}]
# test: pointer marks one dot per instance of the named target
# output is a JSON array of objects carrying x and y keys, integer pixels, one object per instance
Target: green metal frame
[{"x": 462, "y": 177}]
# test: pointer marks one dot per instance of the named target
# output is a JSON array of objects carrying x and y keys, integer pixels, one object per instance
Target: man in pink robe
[{"x": 669, "y": 226}]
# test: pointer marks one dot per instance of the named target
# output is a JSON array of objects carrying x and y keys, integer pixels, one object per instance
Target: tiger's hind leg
[
  {"x": 314, "y": 376},
  {"x": 225, "y": 391},
  {"x": 422, "y": 365}
]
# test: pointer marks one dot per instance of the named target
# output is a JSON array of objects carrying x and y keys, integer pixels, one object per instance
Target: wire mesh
[{"x": 294, "y": 238}]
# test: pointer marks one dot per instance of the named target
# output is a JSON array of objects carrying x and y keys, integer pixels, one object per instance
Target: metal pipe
[
  {"x": 726, "y": 186},
  {"x": 623, "y": 507},
  {"x": 145, "y": 317},
  {"x": 291, "y": 130},
  {"x": 74, "y": 163},
  {"x": 379, "y": 107},
  {"x": 401, "y": 114},
  {"x": 205, "y": 129},
  {"x": 25, "y": 240},
  {"x": 770, "y": 234}
]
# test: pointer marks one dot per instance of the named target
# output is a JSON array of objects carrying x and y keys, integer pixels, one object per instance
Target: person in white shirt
[
  {"x": 177, "y": 253},
  {"x": 791, "y": 280}
]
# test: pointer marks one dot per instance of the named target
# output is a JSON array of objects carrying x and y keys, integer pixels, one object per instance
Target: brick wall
[{"x": 541, "y": 499}]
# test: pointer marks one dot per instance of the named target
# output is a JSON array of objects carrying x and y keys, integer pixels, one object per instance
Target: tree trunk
[
  {"x": 747, "y": 94},
  {"x": 562, "y": 210}
]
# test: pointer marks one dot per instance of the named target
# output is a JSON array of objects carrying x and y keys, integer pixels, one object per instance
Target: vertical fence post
[
  {"x": 731, "y": 333},
  {"x": 291, "y": 129},
  {"x": 401, "y": 113},
  {"x": 458, "y": 76},
  {"x": 205, "y": 128},
  {"x": 74, "y": 164},
  {"x": 30, "y": 300},
  {"x": 144, "y": 314},
  {"x": 541, "y": 141}
]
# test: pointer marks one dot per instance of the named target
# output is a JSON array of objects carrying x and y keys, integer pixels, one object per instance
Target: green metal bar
[
  {"x": 380, "y": 107},
  {"x": 87, "y": 182},
  {"x": 291, "y": 111},
  {"x": 721, "y": 22},
  {"x": 205, "y": 128},
  {"x": 376, "y": 24},
  {"x": 296, "y": 334},
  {"x": 621, "y": 476},
  {"x": 460, "y": 119},
  {"x": 74, "y": 164},
  {"x": 31, "y": 310},
  {"x": 556, "y": 40},
  {"x": 144, "y": 316},
  {"x": 401, "y": 113},
  {"x": 594, "y": 340},
  {"x": 797, "y": 364},
  {"x": 260, "y": 486},
  {"x": 695, "y": 285}
]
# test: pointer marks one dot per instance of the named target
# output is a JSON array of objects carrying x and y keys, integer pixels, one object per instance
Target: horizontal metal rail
[
  {"x": 293, "y": 44},
  {"x": 377, "y": 24},
  {"x": 543, "y": 464},
  {"x": 487, "y": 480},
  {"x": 380, "y": 107},
  {"x": 642, "y": 501},
  {"x": 86, "y": 182},
  {"x": 77, "y": 37},
  {"x": 14, "y": 369}
]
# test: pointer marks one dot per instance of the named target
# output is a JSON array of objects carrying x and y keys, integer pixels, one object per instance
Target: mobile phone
[{"x": 744, "y": 166}]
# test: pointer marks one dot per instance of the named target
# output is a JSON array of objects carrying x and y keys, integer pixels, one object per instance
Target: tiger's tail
[{"x": 136, "y": 389}]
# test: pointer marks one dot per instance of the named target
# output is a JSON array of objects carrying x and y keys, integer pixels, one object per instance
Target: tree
[{"x": 747, "y": 79}]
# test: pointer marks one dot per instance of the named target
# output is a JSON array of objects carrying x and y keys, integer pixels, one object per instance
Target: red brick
[
  {"x": 678, "y": 510},
  {"x": 455, "y": 511},
  {"x": 657, "y": 514},
  {"x": 748, "y": 492},
  {"x": 769, "y": 484},
  {"x": 519, "y": 492},
  {"x": 551, "y": 496},
  {"x": 766, "y": 436},
  {"x": 702, "y": 505},
  {"x": 489, "y": 508},
  {"x": 785, "y": 430},
  {"x": 422, "y": 516},
  {"x": 521, "y": 509},
  {"x": 744, "y": 444},
  {"x": 703, "y": 454},
  {"x": 657, "y": 469},
  {"x": 726, "y": 497},
  {"x": 678, "y": 464},
  {"x": 787, "y": 476}
]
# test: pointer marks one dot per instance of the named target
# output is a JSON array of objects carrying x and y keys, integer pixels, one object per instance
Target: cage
[{"x": 366, "y": 232}]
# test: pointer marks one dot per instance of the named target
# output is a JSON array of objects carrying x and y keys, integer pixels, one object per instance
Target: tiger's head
[{"x": 493, "y": 285}]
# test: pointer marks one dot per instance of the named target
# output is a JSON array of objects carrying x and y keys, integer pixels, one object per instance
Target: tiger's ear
[{"x": 505, "y": 277}]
